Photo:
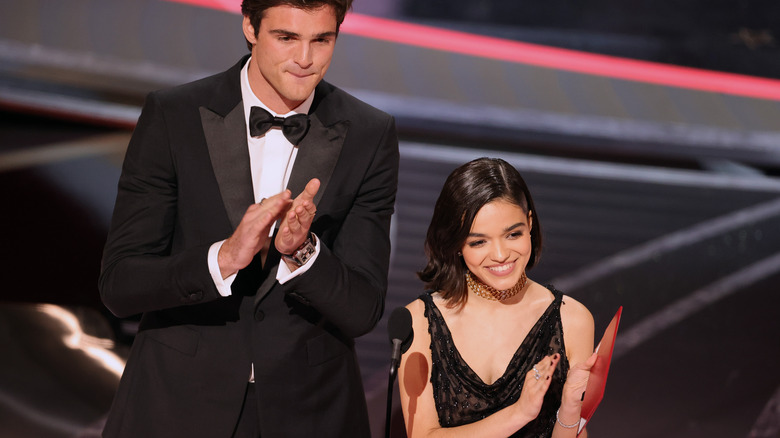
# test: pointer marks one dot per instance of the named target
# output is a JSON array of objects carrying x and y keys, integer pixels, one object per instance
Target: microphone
[{"x": 401, "y": 334}]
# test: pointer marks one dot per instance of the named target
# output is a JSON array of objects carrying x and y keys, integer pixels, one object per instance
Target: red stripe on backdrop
[{"x": 542, "y": 56}]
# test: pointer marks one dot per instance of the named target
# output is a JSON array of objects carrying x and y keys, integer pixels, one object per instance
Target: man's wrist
[
  {"x": 224, "y": 261},
  {"x": 221, "y": 281},
  {"x": 302, "y": 254}
]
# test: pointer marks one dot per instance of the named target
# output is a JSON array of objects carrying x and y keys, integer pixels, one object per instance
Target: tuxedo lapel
[
  {"x": 317, "y": 156},
  {"x": 227, "y": 144}
]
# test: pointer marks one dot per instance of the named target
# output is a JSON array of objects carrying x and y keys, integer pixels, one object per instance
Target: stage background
[{"x": 647, "y": 132}]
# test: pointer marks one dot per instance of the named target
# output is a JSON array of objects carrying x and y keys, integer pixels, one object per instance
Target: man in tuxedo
[{"x": 251, "y": 230}]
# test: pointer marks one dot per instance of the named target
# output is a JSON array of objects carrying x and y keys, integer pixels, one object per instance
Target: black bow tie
[{"x": 293, "y": 127}]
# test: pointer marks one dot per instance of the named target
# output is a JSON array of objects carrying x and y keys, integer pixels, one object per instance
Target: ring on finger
[{"x": 537, "y": 375}]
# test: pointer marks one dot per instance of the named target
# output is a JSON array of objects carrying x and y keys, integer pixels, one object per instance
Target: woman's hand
[
  {"x": 576, "y": 382},
  {"x": 537, "y": 380}
]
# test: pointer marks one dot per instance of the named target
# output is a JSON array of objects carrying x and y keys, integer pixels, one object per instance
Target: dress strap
[{"x": 558, "y": 295}]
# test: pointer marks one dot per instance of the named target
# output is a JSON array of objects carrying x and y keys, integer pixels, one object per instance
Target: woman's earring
[{"x": 460, "y": 254}]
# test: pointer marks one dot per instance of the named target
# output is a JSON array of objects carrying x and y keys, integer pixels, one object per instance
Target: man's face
[{"x": 291, "y": 53}]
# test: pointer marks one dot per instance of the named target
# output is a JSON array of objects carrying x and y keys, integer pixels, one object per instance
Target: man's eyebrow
[
  {"x": 284, "y": 32},
  {"x": 328, "y": 34},
  {"x": 289, "y": 33}
]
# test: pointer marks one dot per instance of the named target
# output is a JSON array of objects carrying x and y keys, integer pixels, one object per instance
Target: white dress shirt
[{"x": 271, "y": 158}]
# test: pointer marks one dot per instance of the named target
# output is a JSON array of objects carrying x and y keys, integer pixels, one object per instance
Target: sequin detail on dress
[{"x": 460, "y": 395}]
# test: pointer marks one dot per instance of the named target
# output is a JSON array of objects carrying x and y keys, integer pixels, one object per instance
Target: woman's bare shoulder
[
  {"x": 575, "y": 316},
  {"x": 416, "y": 308}
]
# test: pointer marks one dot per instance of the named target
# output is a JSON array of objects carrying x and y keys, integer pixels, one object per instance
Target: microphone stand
[{"x": 394, "y": 362}]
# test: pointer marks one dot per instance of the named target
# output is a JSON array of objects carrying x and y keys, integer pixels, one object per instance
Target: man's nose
[{"x": 303, "y": 57}]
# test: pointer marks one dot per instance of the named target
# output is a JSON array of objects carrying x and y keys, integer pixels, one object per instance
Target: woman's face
[{"x": 498, "y": 246}]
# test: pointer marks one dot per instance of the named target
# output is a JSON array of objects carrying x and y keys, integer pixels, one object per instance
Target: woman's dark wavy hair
[
  {"x": 255, "y": 9},
  {"x": 466, "y": 191}
]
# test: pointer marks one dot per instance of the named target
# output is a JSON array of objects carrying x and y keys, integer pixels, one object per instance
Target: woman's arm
[
  {"x": 420, "y": 416},
  {"x": 578, "y": 340}
]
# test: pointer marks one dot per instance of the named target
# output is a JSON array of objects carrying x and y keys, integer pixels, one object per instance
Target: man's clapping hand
[{"x": 252, "y": 233}]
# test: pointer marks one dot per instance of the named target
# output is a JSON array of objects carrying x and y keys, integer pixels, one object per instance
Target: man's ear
[{"x": 249, "y": 31}]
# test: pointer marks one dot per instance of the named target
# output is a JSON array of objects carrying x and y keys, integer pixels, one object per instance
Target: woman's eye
[{"x": 476, "y": 243}]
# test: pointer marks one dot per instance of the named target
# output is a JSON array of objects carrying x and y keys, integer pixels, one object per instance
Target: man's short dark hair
[{"x": 255, "y": 9}]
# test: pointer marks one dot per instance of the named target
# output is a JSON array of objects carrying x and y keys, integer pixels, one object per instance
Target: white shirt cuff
[
  {"x": 283, "y": 274},
  {"x": 223, "y": 285}
]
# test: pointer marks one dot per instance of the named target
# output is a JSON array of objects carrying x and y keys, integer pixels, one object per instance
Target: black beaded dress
[{"x": 460, "y": 395}]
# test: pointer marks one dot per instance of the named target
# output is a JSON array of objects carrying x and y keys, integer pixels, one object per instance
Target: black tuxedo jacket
[{"x": 185, "y": 184}]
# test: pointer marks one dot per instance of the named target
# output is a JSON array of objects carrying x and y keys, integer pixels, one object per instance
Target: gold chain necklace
[{"x": 490, "y": 293}]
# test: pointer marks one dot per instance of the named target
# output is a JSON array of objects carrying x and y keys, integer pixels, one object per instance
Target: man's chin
[
  {"x": 299, "y": 95},
  {"x": 298, "y": 87}
]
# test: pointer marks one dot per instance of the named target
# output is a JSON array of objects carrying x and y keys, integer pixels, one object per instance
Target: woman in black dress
[{"x": 494, "y": 353}]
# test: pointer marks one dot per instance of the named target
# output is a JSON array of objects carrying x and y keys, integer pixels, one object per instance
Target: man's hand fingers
[
  {"x": 310, "y": 191},
  {"x": 293, "y": 221},
  {"x": 305, "y": 213},
  {"x": 275, "y": 206},
  {"x": 240, "y": 248},
  {"x": 295, "y": 225},
  {"x": 277, "y": 202}
]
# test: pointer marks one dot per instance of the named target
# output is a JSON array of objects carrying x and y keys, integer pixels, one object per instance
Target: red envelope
[{"x": 597, "y": 380}]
